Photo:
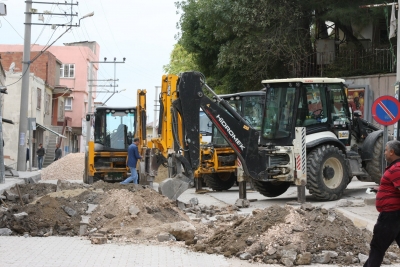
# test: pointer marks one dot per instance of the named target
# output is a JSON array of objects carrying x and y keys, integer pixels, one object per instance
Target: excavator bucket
[{"x": 174, "y": 187}]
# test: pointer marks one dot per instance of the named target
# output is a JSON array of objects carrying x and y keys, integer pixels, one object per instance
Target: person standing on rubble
[
  {"x": 387, "y": 227},
  {"x": 131, "y": 161},
  {"x": 40, "y": 152},
  {"x": 57, "y": 152}
]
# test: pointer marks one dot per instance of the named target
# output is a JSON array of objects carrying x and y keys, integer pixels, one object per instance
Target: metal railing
[{"x": 347, "y": 63}]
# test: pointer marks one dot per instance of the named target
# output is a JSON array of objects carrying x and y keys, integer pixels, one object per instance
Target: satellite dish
[{"x": 12, "y": 67}]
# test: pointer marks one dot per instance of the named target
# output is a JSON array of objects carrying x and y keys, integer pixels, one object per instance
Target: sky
[{"x": 142, "y": 31}]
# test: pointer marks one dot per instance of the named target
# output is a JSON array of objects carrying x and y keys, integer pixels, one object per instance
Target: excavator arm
[
  {"x": 238, "y": 133},
  {"x": 186, "y": 134}
]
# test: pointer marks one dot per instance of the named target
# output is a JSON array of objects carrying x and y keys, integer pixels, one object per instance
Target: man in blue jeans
[
  {"x": 40, "y": 152},
  {"x": 131, "y": 160}
]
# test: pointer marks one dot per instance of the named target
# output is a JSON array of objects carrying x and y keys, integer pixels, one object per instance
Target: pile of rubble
[
  {"x": 107, "y": 212},
  {"x": 291, "y": 236},
  {"x": 62, "y": 170}
]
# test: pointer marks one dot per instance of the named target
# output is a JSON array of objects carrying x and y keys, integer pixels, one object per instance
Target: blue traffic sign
[{"x": 386, "y": 110}]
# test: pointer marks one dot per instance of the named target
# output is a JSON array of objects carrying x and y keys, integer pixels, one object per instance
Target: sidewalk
[
  {"x": 23, "y": 177},
  {"x": 78, "y": 252}
]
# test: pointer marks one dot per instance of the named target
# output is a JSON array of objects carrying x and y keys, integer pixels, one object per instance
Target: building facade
[{"x": 65, "y": 72}]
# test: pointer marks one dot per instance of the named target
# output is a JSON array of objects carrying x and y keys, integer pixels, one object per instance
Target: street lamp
[{"x": 86, "y": 16}]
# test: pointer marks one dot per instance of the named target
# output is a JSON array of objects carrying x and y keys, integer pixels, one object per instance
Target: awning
[
  {"x": 50, "y": 130},
  {"x": 7, "y": 121}
]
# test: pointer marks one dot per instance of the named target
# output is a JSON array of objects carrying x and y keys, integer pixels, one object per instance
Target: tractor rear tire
[
  {"x": 374, "y": 167},
  {"x": 327, "y": 173},
  {"x": 271, "y": 189},
  {"x": 220, "y": 181}
]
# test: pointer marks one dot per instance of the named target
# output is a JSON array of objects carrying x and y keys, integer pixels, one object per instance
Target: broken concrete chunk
[
  {"x": 287, "y": 262},
  {"x": 362, "y": 258},
  {"x": 98, "y": 240},
  {"x": 164, "y": 237},
  {"x": 5, "y": 232},
  {"x": 133, "y": 210},
  {"x": 71, "y": 212},
  {"x": 109, "y": 215},
  {"x": 242, "y": 203},
  {"x": 331, "y": 215},
  {"x": 307, "y": 206},
  {"x": 392, "y": 255},
  {"x": 182, "y": 230},
  {"x": 344, "y": 203},
  {"x": 245, "y": 256},
  {"x": 10, "y": 195},
  {"x": 332, "y": 254},
  {"x": 298, "y": 228},
  {"x": 303, "y": 259},
  {"x": 19, "y": 216},
  {"x": 271, "y": 251},
  {"x": 322, "y": 258},
  {"x": 194, "y": 201}
]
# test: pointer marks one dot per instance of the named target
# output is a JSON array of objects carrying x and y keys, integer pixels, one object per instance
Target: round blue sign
[{"x": 386, "y": 110}]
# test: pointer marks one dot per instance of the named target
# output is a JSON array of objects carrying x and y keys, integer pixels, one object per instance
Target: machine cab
[
  {"x": 250, "y": 105},
  {"x": 114, "y": 128},
  {"x": 319, "y": 104}
]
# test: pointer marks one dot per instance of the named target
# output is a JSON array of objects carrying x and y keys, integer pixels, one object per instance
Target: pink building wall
[{"x": 80, "y": 55}]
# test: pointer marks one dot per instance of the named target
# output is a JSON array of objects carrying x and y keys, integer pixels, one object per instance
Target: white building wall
[{"x": 12, "y": 112}]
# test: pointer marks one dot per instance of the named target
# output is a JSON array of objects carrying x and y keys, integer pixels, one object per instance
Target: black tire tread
[
  {"x": 374, "y": 166},
  {"x": 271, "y": 189},
  {"x": 214, "y": 182},
  {"x": 315, "y": 183}
]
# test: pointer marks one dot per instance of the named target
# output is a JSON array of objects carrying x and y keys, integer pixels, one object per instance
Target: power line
[{"x": 13, "y": 27}]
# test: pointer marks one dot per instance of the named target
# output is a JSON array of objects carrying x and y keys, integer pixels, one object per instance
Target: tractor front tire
[
  {"x": 220, "y": 181},
  {"x": 327, "y": 173},
  {"x": 374, "y": 167},
  {"x": 271, "y": 189}
]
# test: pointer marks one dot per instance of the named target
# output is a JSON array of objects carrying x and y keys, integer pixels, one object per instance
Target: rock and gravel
[
  {"x": 111, "y": 212},
  {"x": 70, "y": 167}
]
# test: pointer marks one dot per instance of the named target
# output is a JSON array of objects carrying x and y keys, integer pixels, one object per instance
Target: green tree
[
  {"x": 238, "y": 43},
  {"x": 180, "y": 60}
]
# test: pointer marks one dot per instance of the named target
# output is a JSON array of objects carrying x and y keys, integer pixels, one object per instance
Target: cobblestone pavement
[
  {"x": 79, "y": 252},
  {"x": 74, "y": 252}
]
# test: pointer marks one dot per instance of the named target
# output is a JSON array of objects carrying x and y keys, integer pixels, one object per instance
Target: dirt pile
[
  {"x": 111, "y": 212},
  {"x": 62, "y": 170},
  {"x": 129, "y": 211},
  {"x": 292, "y": 236}
]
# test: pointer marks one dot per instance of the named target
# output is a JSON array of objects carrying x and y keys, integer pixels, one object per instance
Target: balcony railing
[{"x": 347, "y": 63}]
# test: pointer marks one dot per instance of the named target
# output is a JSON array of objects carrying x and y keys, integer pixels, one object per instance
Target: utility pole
[
  {"x": 3, "y": 90},
  {"x": 23, "y": 116},
  {"x": 397, "y": 136},
  {"x": 91, "y": 86}
]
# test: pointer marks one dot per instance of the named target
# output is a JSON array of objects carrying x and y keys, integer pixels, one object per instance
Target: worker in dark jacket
[
  {"x": 131, "y": 161},
  {"x": 387, "y": 227},
  {"x": 40, "y": 152},
  {"x": 57, "y": 153}
]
